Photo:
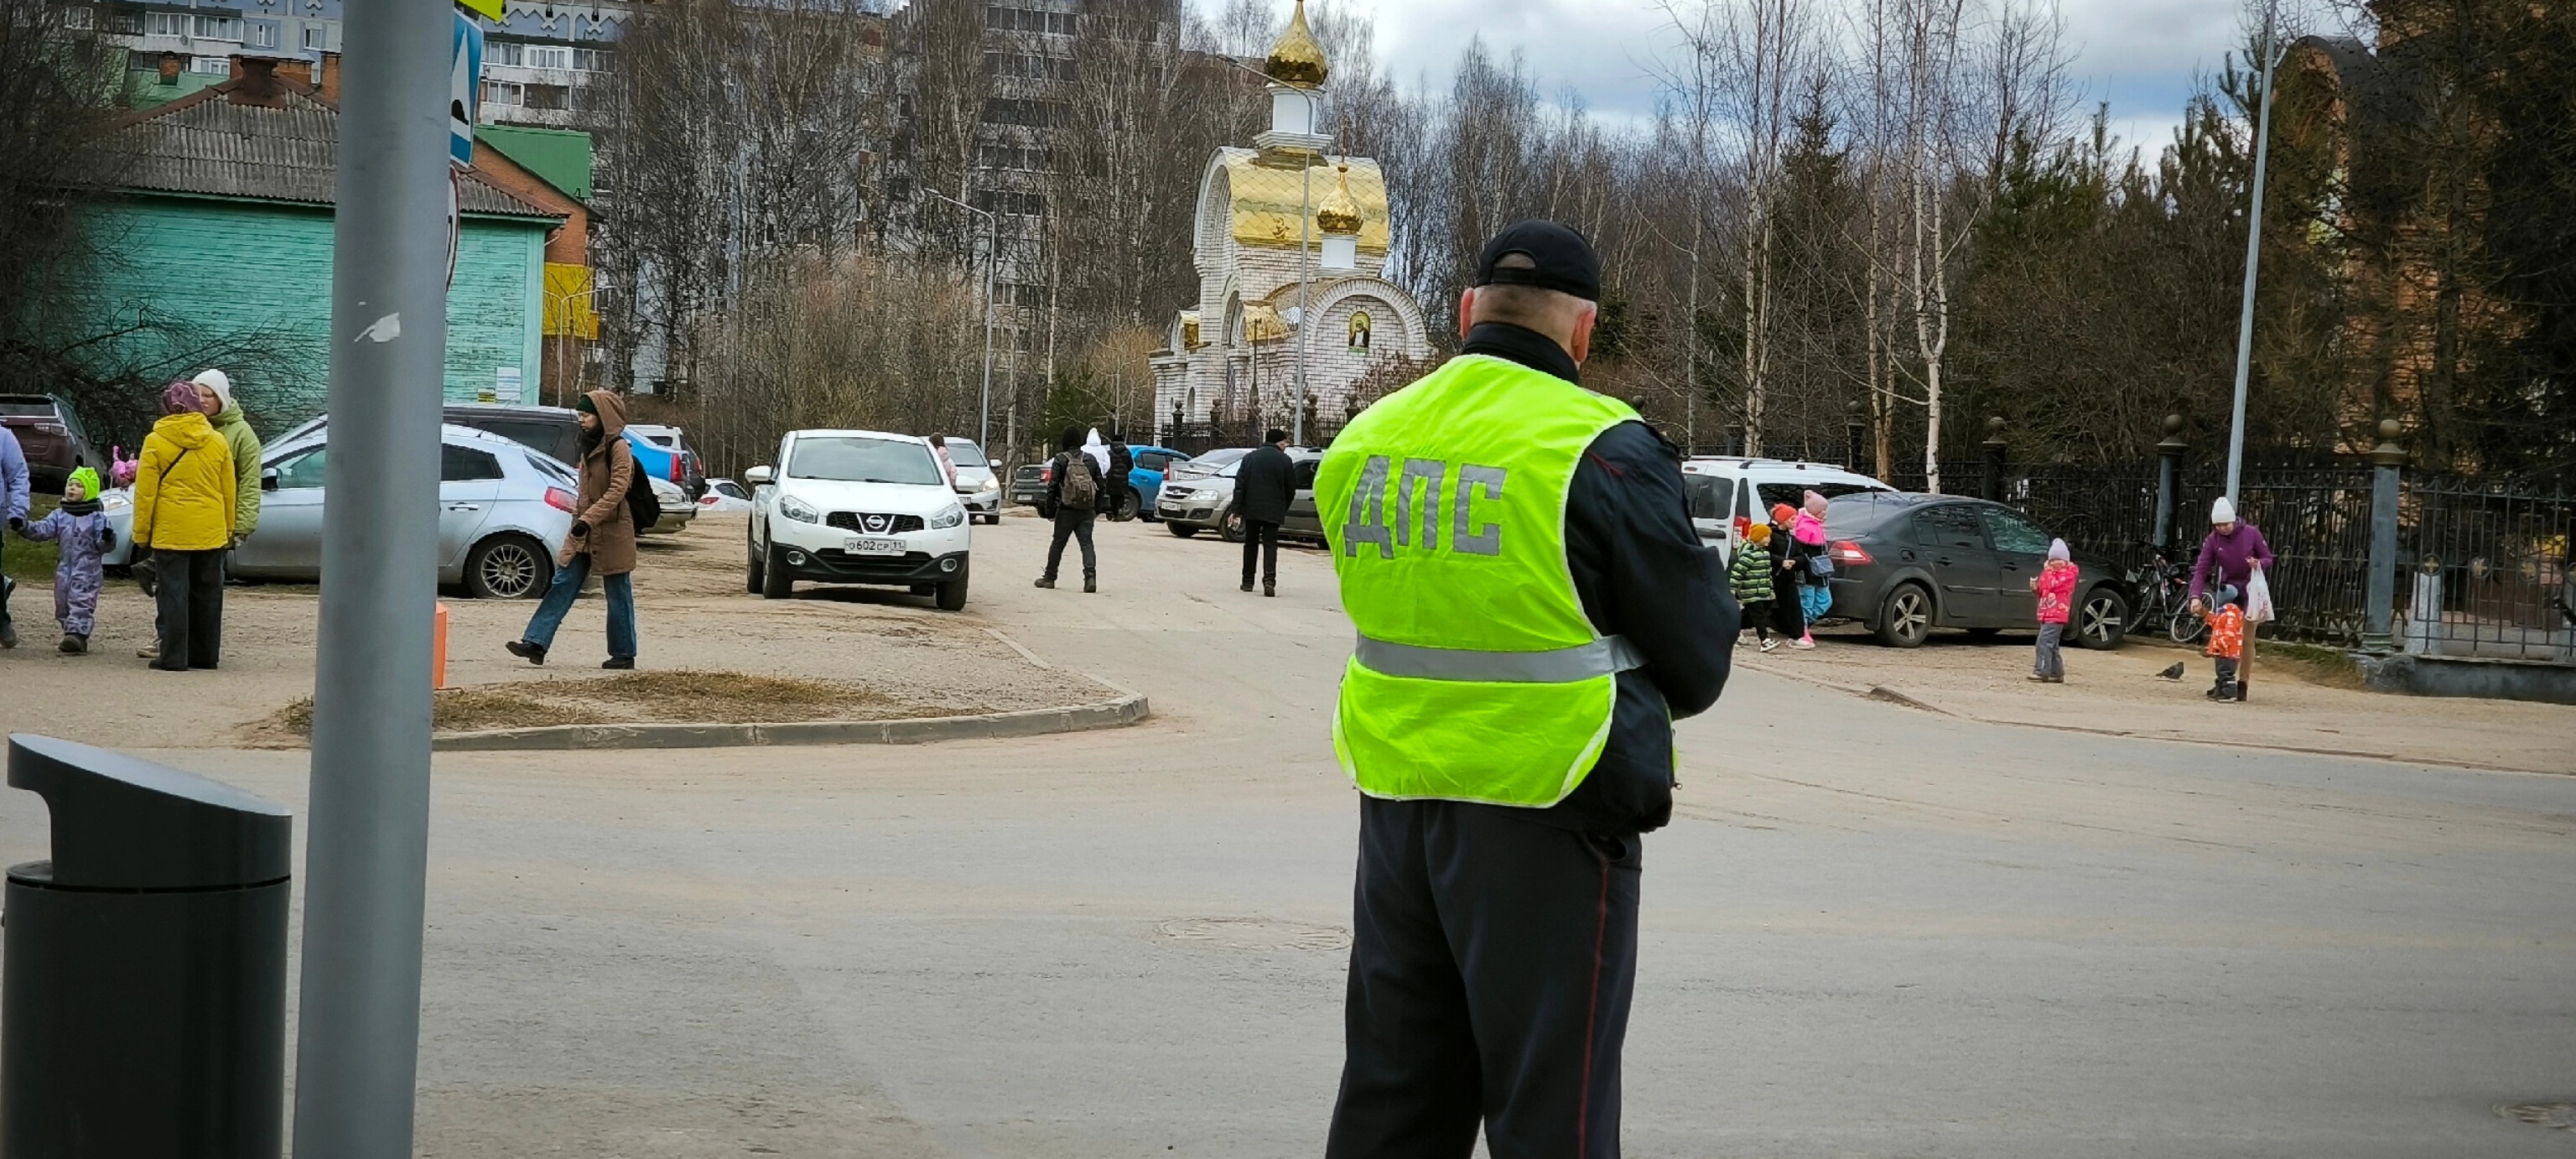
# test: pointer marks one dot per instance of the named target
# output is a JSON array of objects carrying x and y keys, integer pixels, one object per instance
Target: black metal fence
[{"x": 2487, "y": 569}]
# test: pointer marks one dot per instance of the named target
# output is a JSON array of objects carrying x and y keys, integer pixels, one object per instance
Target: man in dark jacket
[
  {"x": 1113, "y": 498},
  {"x": 1073, "y": 520},
  {"x": 1262, "y": 487}
]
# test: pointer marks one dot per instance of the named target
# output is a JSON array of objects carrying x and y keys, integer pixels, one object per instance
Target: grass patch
[
  {"x": 26, "y": 559},
  {"x": 2326, "y": 667},
  {"x": 637, "y": 698}
]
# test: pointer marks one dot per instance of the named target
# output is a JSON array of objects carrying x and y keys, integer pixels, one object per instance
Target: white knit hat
[
  {"x": 218, "y": 382},
  {"x": 2222, "y": 511}
]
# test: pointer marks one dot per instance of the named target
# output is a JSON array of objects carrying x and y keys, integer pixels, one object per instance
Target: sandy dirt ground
[{"x": 691, "y": 607}]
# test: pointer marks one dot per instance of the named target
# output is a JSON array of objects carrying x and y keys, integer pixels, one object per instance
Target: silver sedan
[{"x": 503, "y": 512}]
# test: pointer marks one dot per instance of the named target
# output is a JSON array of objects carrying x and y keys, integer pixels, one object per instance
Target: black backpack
[{"x": 642, "y": 505}]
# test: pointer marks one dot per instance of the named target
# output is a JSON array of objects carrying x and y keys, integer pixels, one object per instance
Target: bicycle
[{"x": 2164, "y": 598}]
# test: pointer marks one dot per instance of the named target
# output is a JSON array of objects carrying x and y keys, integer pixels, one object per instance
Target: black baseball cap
[{"x": 1561, "y": 259}]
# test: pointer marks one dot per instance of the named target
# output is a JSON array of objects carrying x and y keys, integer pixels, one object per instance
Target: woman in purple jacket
[{"x": 2227, "y": 560}]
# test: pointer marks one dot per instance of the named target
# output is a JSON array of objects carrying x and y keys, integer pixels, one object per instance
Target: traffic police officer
[{"x": 1534, "y": 609}]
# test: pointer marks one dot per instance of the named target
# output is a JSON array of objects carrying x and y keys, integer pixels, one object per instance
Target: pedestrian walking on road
[
  {"x": 1263, "y": 484},
  {"x": 2229, "y": 557},
  {"x": 2055, "y": 584},
  {"x": 14, "y": 500},
  {"x": 1075, "y": 485},
  {"x": 1534, "y": 609},
  {"x": 1788, "y": 579},
  {"x": 1749, "y": 576},
  {"x": 1113, "y": 497},
  {"x": 602, "y": 538},
  {"x": 78, "y": 527},
  {"x": 184, "y": 508}
]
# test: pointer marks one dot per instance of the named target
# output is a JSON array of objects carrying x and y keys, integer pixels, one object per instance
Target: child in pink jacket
[{"x": 2056, "y": 587}]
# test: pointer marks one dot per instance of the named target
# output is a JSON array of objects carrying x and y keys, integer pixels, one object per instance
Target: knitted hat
[
  {"x": 83, "y": 478},
  {"x": 1815, "y": 505},
  {"x": 2057, "y": 550},
  {"x": 2222, "y": 511},
  {"x": 180, "y": 397},
  {"x": 1782, "y": 513},
  {"x": 1759, "y": 533},
  {"x": 218, "y": 382},
  {"x": 585, "y": 405}
]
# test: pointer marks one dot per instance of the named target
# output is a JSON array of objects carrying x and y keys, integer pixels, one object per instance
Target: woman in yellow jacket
[{"x": 183, "y": 511}]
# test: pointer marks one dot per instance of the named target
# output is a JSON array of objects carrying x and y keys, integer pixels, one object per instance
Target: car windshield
[
  {"x": 853, "y": 459},
  {"x": 27, "y": 406},
  {"x": 1213, "y": 462},
  {"x": 1795, "y": 494},
  {"x": 965, "y": 454}
]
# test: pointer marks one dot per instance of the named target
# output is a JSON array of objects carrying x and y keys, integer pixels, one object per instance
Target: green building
[{"x": 223, "y": 224}]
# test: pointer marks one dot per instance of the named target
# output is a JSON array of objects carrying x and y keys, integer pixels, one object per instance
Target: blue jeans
[{"x": 558, "y": 603}]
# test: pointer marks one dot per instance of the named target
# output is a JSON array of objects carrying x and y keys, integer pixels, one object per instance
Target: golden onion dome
[
  {"x": 1296, "y": 59},
  {"x": 1339, "y": 212}
]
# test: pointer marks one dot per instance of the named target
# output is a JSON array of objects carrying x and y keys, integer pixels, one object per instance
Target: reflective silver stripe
[{"x": 1602, "y": 657}]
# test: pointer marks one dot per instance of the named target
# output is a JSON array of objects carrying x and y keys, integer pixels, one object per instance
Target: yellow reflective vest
[{"x": 1477, "y": 677}]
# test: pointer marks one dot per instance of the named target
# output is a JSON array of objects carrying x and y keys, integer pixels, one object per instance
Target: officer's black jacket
[{"x": 1642, "y": 573}]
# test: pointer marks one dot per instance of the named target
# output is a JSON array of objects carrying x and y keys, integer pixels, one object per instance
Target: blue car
[{"x": 1145, "y": 480}]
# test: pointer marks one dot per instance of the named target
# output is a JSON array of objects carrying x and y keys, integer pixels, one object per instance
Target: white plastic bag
[{"x": 2258, "y": 598}]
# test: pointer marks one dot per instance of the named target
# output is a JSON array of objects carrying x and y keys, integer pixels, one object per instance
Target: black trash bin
[{"x": 143, "y": 1005}]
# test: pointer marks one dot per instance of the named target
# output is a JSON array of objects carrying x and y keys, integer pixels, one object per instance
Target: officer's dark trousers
[{"x": 1492, "y": 959}]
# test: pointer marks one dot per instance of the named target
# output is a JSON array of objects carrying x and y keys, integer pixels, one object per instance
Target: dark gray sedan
[{"x": 1905, "y": 564}]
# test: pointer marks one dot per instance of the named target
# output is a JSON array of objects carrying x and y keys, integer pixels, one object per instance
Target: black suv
[{"x": 1905, "y": 564}]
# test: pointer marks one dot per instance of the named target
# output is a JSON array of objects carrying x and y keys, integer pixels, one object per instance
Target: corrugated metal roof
[{"x": 209, "y": 145}]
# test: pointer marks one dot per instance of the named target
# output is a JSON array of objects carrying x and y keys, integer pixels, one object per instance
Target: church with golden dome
[{"x": 1290, "y": 245}]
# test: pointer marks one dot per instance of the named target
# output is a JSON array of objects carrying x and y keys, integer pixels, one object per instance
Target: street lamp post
[
  {"x": 2253, "y": 254},
  {"x": 1305, "y": 229},
  {"x": 992, "y": 257}
]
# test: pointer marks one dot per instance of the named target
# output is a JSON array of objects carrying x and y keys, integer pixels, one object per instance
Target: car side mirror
[
  {"x": 993, "y": 463},
  {"x": 757, "y": 476},
  {"x": 268, "y": 479}
]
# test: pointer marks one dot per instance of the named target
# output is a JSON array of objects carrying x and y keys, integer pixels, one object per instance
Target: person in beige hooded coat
[{"x": 602, "y": 539}]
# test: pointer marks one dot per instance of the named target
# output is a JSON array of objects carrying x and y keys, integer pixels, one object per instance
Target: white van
[{"x": 1725, "y": 488}]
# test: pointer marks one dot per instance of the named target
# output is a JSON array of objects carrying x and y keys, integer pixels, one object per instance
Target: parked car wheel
[
  {"x": 1182, "y": 530},
  {"x": 1905, "y": 617},
  {"x": 952, "y": 594},
  {"x": 775, "y": 583},
  {"x": 507, "y": 567},
  {"x": 1230, "y": 525},
  {"x": 2102, "y": 620},
  {"x": 1129, "y": 503},
  {"x": 755, "y": 569}
]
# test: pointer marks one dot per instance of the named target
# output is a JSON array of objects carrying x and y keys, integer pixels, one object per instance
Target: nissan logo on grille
[{"x": 877, "y": 523}]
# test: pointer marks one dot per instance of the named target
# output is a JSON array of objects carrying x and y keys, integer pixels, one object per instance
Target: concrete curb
[{"x": 1125, "y": 710}]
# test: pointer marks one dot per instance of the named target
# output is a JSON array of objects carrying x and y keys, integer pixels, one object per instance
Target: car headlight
[
  {"x": 951, "y": 517},
  {"x": 798, "y": 510}
]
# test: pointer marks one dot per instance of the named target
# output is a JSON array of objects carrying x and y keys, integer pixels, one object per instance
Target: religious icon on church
[{"x": 1359, "y": 331}]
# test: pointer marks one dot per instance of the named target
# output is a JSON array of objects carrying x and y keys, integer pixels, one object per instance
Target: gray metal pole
[
  {"x": 2380, "y": 592},
  {"x": 1305, "y": 224},
  {"x": 2253, "y": 258},
  {"x": 367, "y": 843},
  {"x": 992, "y": 259},
  {"x": 2168, "y": 468}
]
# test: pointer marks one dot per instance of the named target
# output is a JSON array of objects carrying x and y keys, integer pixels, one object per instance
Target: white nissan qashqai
[{"x": 857, "y": 507}]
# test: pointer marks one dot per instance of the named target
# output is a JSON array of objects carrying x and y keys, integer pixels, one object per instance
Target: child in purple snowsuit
[{"x": 82, "y": 530}]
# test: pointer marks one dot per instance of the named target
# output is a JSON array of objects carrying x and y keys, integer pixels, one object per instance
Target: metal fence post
[
  {"x": 1995, "y": 447},
  {"x": 2168, "y": 467},
  {"x": 2379, "y": 599}
]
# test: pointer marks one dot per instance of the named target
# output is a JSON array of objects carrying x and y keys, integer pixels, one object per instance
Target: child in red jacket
[{"x": 2055, "y": 584}]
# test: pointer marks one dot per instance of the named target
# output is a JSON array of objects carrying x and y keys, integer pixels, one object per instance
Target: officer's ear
[
  {"x": 1584, "y": 319},
  {"x": 1466, "y": 312}
]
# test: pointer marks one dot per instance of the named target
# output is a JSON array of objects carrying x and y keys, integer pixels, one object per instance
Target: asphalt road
[{"x": 1870, "y": 931}]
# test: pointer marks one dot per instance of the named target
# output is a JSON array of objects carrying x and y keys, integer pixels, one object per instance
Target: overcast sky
[{"x": 2140, "y": 55}]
